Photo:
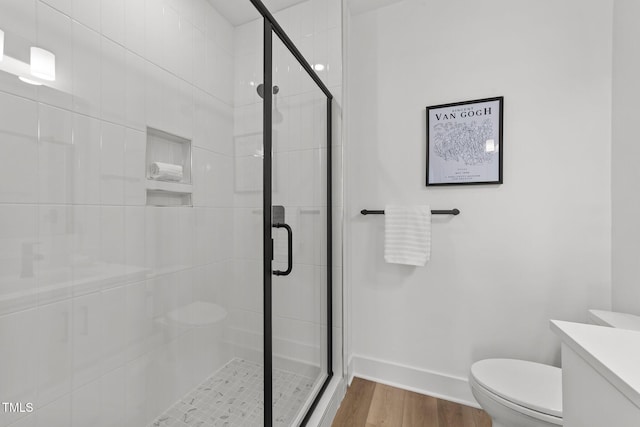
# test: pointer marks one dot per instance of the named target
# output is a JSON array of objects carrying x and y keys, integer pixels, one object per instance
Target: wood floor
[{"x": 369, "y": 404}]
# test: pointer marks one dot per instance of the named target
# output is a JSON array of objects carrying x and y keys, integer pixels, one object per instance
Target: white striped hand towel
[{"x": 407, "y": 234}]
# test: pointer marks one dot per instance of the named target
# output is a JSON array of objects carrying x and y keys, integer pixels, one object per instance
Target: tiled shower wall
[
  {"x": 89, "y": 275},
  {"x": 298, "y": 182}
]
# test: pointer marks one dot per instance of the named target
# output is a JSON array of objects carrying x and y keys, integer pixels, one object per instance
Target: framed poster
[{"x": 464, "y": 142}]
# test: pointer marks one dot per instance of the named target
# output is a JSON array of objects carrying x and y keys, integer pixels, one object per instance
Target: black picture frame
[{"x": 461, "y": 142}]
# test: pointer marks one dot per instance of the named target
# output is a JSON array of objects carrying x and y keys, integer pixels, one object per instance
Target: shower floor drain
[{"x": 233, "y": 397}]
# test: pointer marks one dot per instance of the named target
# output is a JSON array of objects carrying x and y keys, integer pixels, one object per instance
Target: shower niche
[{"x": 168, "y": 169}]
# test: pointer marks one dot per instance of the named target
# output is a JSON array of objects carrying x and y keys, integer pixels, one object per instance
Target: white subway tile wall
[{"x": 91, "y": 277}]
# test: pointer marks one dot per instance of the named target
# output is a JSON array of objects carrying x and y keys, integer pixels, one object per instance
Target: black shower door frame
[{"x": 271, "y": 26}]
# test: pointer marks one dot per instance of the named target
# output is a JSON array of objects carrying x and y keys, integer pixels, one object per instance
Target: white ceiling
[
  {"x": 361, "y": 6},
  {"x": 238, "y": 12}
]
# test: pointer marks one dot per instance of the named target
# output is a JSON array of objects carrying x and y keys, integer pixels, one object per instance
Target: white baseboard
[{"x": 436, "y": 384}]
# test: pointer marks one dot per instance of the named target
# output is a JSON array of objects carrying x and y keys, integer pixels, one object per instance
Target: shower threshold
[{"x": 233, "y": 396}]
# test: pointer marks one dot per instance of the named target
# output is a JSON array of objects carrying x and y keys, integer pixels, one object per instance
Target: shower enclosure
[{"x": 166, "y": 209}]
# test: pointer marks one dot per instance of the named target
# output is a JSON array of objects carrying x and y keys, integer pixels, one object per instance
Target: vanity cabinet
[{"x": 600, "y": 375}]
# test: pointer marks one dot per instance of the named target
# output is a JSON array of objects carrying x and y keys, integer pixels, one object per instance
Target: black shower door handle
[{"x": 290, "y": 250}]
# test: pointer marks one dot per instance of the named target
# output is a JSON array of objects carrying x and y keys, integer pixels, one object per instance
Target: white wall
[
  {"x": 536, "y": 247},
  {"x": 625, "y": 152}
]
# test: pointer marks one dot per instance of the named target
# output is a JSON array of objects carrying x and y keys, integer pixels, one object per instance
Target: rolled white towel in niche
[{"x": 166, "y": 171}]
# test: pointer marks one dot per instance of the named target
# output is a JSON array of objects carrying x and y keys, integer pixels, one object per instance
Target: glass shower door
[{"x": 300, "y": 224}]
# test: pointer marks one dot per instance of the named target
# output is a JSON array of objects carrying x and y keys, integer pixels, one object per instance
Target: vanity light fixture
[
  {"x": 43, "y": 64},
  {"x": 40, "y": 70}
]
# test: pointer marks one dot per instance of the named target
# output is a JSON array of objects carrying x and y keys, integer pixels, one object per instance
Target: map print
[{"x": 463, "y": 141}]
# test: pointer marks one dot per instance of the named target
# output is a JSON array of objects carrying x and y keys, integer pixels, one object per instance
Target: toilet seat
[
  {"x": 528, "y": 387},
  {"x": 477, "y": 388}
]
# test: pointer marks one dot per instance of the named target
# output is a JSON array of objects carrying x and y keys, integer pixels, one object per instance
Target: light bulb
[
  {"x": 43, "y": 64},
  {"x": 1, "y": 45}
]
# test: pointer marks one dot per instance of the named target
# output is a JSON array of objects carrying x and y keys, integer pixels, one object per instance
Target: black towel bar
[{"x": 436, "y": 212}]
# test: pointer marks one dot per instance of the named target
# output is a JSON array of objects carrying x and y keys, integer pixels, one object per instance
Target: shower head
[{"x": 260, "y": 90}]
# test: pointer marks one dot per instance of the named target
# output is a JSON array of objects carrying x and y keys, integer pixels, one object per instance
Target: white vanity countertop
[
  {"x": 614, "y": 353},
  {"x": 615, "y": 320}
]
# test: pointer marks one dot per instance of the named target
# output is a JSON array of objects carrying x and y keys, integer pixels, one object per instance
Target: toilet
[{"x": 518, "y": 393}]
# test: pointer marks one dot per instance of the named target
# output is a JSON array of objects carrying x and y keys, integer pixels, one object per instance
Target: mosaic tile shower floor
[{"x": 233, "y": 397}]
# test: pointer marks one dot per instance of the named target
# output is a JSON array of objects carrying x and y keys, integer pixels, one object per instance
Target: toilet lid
[{"x": 533, "y": 385}]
